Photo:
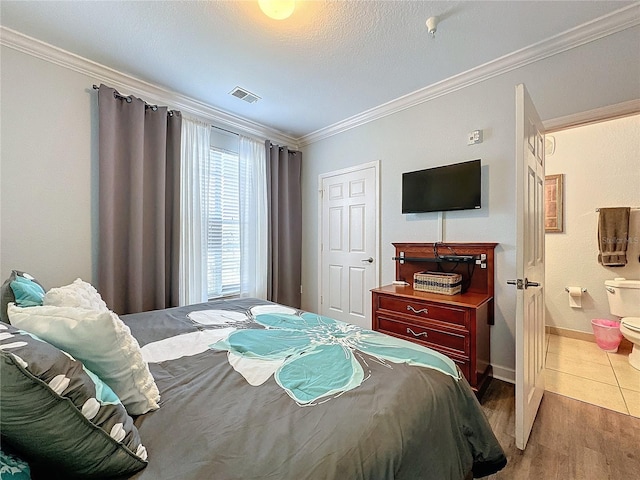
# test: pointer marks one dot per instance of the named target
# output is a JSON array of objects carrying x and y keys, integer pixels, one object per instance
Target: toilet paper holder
[{"x": 566, "y": 289}]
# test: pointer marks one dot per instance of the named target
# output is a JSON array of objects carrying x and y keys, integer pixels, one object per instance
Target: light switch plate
[{"x": 474, "y": 137}]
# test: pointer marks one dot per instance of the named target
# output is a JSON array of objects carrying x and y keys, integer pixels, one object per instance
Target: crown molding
[
  {"x": 131, "y": 85},
  {"x": 609, "y": 112},
  {"x": 601, "y": 27}
]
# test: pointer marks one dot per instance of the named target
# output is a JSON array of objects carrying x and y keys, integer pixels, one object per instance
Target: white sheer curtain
[
  {"x": 253, "y": 218},
  {"x": 196, "y": 146}
]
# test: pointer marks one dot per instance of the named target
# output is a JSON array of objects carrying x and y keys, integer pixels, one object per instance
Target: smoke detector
[
  {"x": 432, "y": 26},
  {"x": 245, "y": 95}
]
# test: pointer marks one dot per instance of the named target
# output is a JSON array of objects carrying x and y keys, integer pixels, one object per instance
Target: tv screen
[{"x": 450, "y": 187}]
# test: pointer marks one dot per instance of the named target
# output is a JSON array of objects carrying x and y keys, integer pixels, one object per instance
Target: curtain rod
[
  {"x": 225, "y": 130},
  {"x": 632, "y": 208},
  {"x": 155, "y": 107},
  {"x": 117, "y": 94}
]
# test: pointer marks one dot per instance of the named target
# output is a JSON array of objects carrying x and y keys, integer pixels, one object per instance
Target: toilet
[{"x": 624, "y": 302}]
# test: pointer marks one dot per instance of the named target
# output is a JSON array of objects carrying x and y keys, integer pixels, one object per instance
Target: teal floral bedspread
[
  {"x": 314, "y": 357},
  {"x": 12, "y": 467}
]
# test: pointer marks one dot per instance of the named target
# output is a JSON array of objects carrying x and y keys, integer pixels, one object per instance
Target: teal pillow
[
  {"x": 19, "y": 287},
  {"x": 59, "y": 417},
  {"x": 12, "y": 467},
  {"x": 27, "y": 292}
]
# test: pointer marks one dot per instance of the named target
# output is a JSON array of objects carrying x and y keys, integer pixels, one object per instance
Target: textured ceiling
[{"x": 329, "y": 61}]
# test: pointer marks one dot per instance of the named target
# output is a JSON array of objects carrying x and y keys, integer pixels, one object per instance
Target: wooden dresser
[{"x": 455, "y": 325}]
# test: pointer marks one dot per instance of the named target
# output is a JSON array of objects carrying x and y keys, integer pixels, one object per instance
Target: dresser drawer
[
  {"x": 422, "y": 309},
  {"x": 457, "y": 343}
]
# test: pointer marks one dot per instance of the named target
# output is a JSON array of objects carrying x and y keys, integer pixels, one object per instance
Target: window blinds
[{"x": 223, "y": 230}]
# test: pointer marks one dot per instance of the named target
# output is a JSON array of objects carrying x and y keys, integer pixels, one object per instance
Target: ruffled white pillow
[
  {"x": 103, "y": 343},
  {"x": 78, "y": 294}
]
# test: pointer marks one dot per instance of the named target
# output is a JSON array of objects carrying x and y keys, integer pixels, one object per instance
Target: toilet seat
[{"x": 632, "y": 323}]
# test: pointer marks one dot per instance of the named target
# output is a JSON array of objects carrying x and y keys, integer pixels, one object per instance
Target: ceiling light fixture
[
  {"x": 432, "y": 24},
  {"x": 277, "y": 9}
]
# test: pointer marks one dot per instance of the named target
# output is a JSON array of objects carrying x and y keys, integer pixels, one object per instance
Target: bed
[
  {"x": 400, "y": 422},
  {"x": 255, "y": 390}
]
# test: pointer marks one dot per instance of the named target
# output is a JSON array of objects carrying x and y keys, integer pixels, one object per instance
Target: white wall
[
  {"x": 434, "y": 133},
  {"x": 601, "y": 167},
  {"x": 49, "y": 170}
]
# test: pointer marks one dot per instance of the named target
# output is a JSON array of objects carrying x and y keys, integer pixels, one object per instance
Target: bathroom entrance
[{"x": 595, "y": 166}]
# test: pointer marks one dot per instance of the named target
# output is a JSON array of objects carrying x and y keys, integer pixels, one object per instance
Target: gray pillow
[
  {"x": 30, "y": 288},
  {"x": 60, "y": 417}
]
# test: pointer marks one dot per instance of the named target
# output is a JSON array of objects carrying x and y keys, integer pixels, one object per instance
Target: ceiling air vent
[{"x": 245, "y": 95}]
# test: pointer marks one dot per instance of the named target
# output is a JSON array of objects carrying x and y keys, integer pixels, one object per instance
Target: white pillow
[
  {"x": 78, "y": 294},
  {"x": 102, "y": 342}
]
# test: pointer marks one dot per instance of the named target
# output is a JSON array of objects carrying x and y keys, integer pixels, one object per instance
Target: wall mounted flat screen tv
[{"x": 450, "y": 187}]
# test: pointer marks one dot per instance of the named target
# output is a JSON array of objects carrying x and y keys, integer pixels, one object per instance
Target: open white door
[
  {"x": 530, "y": 331},
  {"x": 349, "y": 249}
]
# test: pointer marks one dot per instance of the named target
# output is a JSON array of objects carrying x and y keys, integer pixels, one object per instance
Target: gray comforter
[{"x": 398, "y": 421}]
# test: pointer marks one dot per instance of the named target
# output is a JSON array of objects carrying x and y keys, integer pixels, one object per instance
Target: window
[{"x": 222, "y": 196}]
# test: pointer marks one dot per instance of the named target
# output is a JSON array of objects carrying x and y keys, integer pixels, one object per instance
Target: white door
[
  {"x": 349, "y": 243},
  {"x": 530, "y": 331}
]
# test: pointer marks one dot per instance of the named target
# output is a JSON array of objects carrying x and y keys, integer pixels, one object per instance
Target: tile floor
[{"x": 580, "y": 370}]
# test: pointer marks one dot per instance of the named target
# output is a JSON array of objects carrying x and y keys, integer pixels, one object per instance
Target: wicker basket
[{"x": 438, "y": 282}]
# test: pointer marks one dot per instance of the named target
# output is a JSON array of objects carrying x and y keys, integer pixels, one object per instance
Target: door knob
[
  {"x": 368, "y": 260},
  {"x": 520, "y": 284}
]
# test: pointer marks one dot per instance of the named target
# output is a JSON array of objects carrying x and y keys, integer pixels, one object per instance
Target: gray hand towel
[{"x": 613, "y": 236}]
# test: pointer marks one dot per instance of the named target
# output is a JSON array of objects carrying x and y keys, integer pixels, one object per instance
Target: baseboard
[
  {"x": 566, "y": 332},
  {"x": 579, "y": 335},
  {"x": 509, "y": 374},
  {"x": 503, "y": 373}
]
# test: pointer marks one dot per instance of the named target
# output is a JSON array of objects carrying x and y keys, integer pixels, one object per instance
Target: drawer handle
[
  {"x": 416, "y": 334},
  {"x": 422, "y": 310}
]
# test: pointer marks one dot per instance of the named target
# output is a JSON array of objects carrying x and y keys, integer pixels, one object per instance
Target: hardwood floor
[{"x": 570, "y": 440}]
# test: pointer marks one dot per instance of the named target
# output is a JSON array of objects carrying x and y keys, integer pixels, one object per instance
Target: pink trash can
[{"x": 607, "y": 333}]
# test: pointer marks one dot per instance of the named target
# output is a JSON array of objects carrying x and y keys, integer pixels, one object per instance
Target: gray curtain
[
  {"x": 139, "y": 182},
  {"x": 284, "y": 193}
]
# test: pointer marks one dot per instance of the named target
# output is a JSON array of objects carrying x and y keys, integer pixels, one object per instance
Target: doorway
[
  {"x": 349, "y": 242},
  {"x": 598, "y": 165}
]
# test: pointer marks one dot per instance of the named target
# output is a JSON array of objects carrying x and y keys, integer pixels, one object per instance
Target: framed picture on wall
[{"x": 553, "y": 204}]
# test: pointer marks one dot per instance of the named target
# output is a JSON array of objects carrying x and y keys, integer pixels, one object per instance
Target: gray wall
[{"x": 597, "y": 74}]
